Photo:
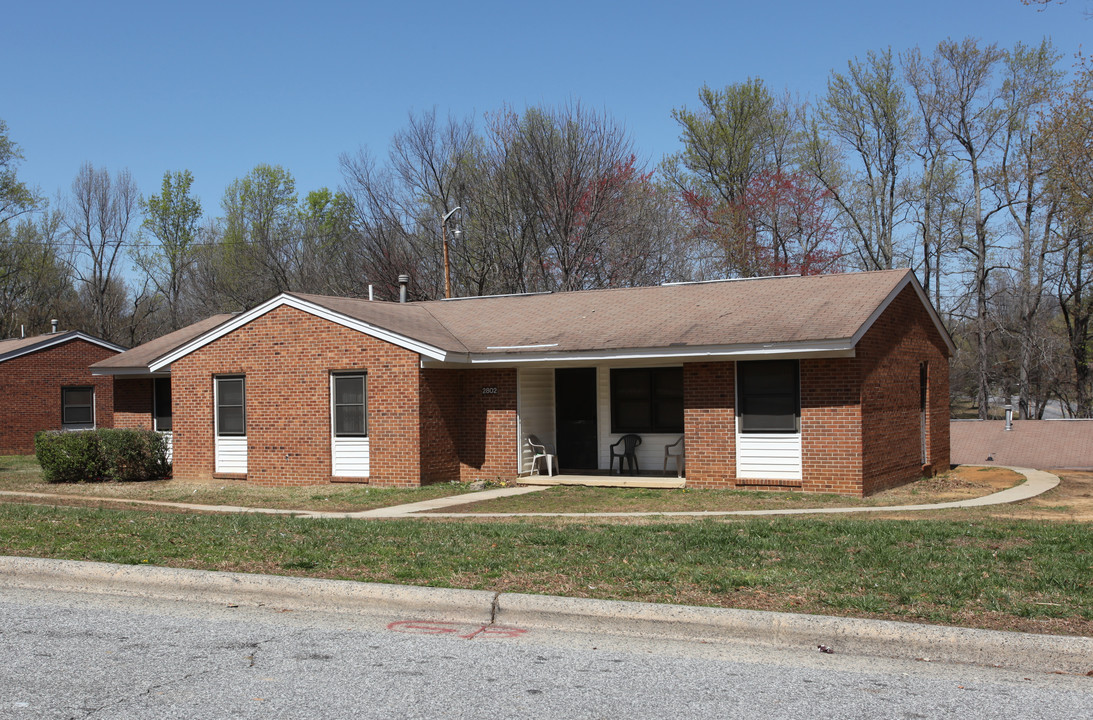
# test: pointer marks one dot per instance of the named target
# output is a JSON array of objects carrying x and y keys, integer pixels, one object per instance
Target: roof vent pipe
[
  {"x": 53, "y": 322},
  {"x": 22, "y": 331},
  {"x": 403, "y": 281},
  {"x": 370, "y": 297}
]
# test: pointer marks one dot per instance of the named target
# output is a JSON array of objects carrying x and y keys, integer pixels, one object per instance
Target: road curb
[
  {"x": 302, "y": 594},
  {"x": 851, "y": 636}
]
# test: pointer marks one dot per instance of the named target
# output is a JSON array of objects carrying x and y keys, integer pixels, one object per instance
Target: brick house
[
  {"x": 833, "y": 383},
  {"x": 46, "y": 384}
]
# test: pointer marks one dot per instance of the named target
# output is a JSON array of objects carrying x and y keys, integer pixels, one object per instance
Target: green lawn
[
  {"x": 22, "y": 473},
  {"x": 989, "y": 573}
]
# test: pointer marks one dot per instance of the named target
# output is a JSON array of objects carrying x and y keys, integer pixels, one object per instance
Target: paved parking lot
[{"x": 1031, "y": 443}]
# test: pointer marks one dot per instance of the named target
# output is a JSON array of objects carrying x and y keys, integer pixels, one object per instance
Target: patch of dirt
[
  {"x": 1071, "y": 501},
  {"x": 961, "y": 483}
]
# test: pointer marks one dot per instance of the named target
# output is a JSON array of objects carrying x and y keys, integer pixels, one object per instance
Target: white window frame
[
  {"x": 349, "y": 454},
  {"x": 230, "y": 451},
  {"x": 78, "y": 426},
  {"x": 334, "y": 376},
  {"x": 772, "y": 455},
  {"x": 216, "y": 404}
]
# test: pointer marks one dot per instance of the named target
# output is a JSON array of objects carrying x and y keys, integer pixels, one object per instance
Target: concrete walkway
[{"x": 1036, "y": 483}]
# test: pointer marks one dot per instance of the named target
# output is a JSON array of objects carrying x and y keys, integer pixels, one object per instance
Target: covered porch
[{"x": 580, "y": 412}]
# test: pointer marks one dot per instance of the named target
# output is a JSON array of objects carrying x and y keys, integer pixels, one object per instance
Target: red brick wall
[
  {"x": 287, "y": 356},
  {"x": 859, "y": 416},
  {"x": 890, "y": 353},
  {"x": 133, "y": 403},
  {"x": 709, "y": 421},
  {"x": 30, "y": 391},
  {"x": 831, "y": 444},
  {"x": 488, "y": 444},
  {"x": 441, "y": 422}
]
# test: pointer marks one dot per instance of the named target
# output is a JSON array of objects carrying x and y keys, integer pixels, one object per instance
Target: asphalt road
[{"x": 71, "y": 655}]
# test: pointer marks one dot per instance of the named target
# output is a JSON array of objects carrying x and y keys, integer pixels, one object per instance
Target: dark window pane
[
  {"x": 670, "y": 414},
  {"x": 231, "y": 391},
  {"x": 349, "y": 420},
  {"x": 769, "y": 396},
  {"x": 77, "y": 406},
  {"x": 163, "y": 397},
  {"x": 231, "y": 421},
  {"x": 78, "y": 396},
  {"x": 163, "y": 410},
  {"x": 647, "y": 400},
  {"x": 349, "y": 390},
  {"x": 78, "y": 416}
]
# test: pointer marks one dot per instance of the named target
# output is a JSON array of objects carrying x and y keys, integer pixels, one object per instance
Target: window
[
  {"x": 161, "y": 399},
  {"x": 231, "y": 411},
  {"x": 78, "y": 407},
  {"x": 647, "y": 400},
  {"x": 350, "y": 405},
  {"x": 769, "y": 396}
]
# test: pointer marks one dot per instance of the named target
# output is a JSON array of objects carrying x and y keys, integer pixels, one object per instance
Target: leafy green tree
[
  {"x": 255, "y": 251},
  {"x": 16, "y": 198},
  {"x": 171, "y": 219}
]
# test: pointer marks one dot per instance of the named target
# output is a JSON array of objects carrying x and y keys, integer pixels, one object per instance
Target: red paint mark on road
[{"x": 465, "y": 631}]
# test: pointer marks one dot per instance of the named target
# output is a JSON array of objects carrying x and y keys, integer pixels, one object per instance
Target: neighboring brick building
[
  {"x": 832, "y": 383},
  {"x": 46, "y": 384}
]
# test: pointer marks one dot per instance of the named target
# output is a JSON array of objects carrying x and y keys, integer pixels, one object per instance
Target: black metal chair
[{"x": 629, "y": 445}]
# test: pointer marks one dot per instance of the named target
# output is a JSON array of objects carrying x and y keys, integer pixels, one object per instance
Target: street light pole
[{"x": 447, "y": 265}]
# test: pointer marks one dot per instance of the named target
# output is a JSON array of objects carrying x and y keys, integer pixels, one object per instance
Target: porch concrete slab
[{"x": 622, "y": 481}]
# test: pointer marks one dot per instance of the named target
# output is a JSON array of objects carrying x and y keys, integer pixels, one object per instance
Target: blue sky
[{"x": 218, "y": 87}]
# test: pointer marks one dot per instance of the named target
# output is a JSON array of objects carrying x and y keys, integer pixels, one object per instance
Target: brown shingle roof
[
  {"x": 142, "y": 355},
  {"x": 742, "y": 312},
  {"x": 797, "y": 313}
]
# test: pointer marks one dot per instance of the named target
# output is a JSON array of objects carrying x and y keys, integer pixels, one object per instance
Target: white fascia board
[
  {"x": 303, "y": 305},
  {"x": 138, "y": 371},
  {"x": 766, "y": 351},
  {"x": 909, "y": 278},
  {"x": 60, "y": 340}
]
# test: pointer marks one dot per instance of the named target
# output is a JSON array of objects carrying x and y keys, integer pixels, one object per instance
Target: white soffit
[
  {"x": 303, "y": 305},
  {"x": 826, "y": 349}
]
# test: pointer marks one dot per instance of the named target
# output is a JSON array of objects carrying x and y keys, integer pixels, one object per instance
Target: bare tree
[
  {"x": 98, "y": 218},
  {"x": 1030, "y": 80}
]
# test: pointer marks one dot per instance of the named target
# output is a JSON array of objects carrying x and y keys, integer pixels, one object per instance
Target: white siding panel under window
[
  {"x": 535, "y": 410},
  {"x": 168, "y": 438},
  {"x": 231, "y": 454},
  {"x": 351, "y": 457},
  {"x": 773, "y": 456}
]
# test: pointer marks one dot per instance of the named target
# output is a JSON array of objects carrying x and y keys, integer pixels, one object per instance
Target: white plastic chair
[
  {"x": 540, "y": 452},
  {"x": 680, "y": 456}
]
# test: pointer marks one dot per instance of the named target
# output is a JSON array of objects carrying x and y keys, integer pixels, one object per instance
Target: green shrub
[{"x": 101, "y": 455}]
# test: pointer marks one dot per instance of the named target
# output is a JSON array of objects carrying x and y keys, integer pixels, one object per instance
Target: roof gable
[
  {"x": 16, "y": 347},
  {"x": 305, "y": 304}
]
